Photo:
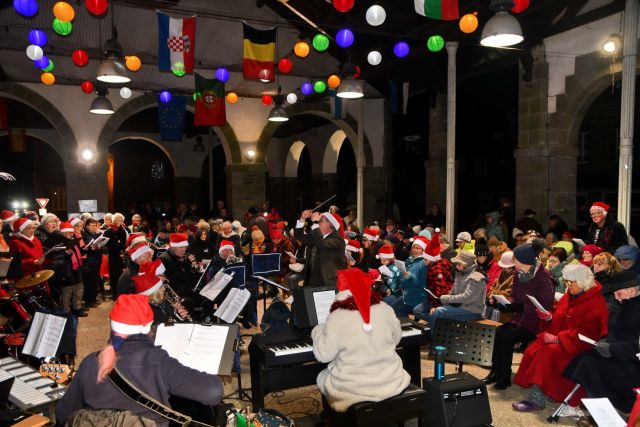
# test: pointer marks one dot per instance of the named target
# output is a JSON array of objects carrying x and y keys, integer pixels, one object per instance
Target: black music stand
[
  {"x": 240, "y": 393},
  {"x": 266, "y": 282},
  {"x": 465, "y": 341}
]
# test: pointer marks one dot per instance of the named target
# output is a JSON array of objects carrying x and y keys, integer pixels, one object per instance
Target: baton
[{"x": 324, "y": 203}]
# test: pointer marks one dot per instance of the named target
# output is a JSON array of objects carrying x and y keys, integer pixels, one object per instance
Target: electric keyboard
[{"x": 29, "y": 388}]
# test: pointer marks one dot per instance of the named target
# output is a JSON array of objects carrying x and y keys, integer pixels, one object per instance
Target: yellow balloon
[
  {"x": 468, "y": 23},
  {"x": 64, "y": 11},
  {"x": 133, "y": 62},
  {"x": 301, "y": 49},
  {"x": 232, "y": 98},
  {"x": 48, "y": 78},
  {"x": 333, "y": 81}
]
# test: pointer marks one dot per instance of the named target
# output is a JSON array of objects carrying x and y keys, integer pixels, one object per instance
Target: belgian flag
[{"x": 259, "y": 52}]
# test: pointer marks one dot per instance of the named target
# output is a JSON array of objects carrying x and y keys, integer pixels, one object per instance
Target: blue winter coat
[{"x": 413, "y": 285}]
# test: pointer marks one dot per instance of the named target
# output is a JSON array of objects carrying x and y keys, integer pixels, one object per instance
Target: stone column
[
  {"x": 376, "y": 189},
  {"x": 87, "y": 181},
  {"x": 246, "y": 186},
  {"x": 437, "y": 163}
]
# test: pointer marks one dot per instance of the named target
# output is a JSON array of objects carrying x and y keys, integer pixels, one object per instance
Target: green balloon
[
  {"x": 62, "y": 28},
  {"x": 48, "y": 68},
  {"x": 320, "y": 42},
  {"x": 319, "y": 86},
  {"x": 196, "y": 95},
  {"x": 178, "y": 69},
  {"x": 435, "y": 43}
]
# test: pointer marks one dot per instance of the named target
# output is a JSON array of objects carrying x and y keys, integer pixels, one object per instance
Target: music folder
[
  {"x": 265, "y": 264},
  {"x": 45, "y": 335}
]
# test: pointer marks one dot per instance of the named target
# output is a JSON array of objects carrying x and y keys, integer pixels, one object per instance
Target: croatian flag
[{"x": 176, "y": 43}]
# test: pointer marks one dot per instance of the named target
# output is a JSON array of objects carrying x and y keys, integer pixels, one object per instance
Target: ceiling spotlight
[
  {"x": 112, "y": 71},
  {"x": 502, "y": 29},
  {"x": 612, "y": 44},
  {"x": 87, "y": 154},
  {"x": 350, "y": 88},
  {"x": 101, "y": 104},
  {"x": 278, "y": 114}
]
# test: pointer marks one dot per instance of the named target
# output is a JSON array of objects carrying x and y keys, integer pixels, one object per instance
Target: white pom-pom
[
  {"x": 367, "y": 327},
  {"x": 411, "y": 239},
  {"x": 377, "y": 256},
  {"x": 437, "y": 230}
]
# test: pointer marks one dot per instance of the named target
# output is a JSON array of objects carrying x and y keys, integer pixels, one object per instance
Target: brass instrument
[{"x": 174, "y": 300}]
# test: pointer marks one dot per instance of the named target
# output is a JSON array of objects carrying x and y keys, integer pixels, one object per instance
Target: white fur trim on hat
[
  {"x": 351, "y": 248},
  {"x": 74, "y": 221},
  {"x": 224, "y": 247},
  {"x": 421, "y": 243},
  {"x": 11, "y": 218},
  {"x": 370, "y": 237},
  {"x": 385, "y": 256},
  {"x": 179, "y": 244},
  {"x": 63, "y": 230},
  {"x": 332, "y": 219},
  {"x": 140, "y": 251},
  {"x": 26, "y": 224},
  {"x": 126, "y": 329},
  {"x": 431, "y": 257},
  {"x": 153, "y": 288}
]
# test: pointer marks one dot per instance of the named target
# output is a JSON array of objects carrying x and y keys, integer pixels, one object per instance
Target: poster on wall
[{"x": 88, "y": 205}]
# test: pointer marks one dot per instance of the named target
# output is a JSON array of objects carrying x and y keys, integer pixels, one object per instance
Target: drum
[
  {"x": 16, "y": 315},
  {"x": 36, "y": 299}
]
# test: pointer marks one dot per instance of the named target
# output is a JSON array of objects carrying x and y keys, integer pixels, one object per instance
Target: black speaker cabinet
[{"x": 459, "y": 400}]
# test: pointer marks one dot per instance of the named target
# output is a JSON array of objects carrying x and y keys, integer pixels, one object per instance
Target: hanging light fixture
[
  {"x": 101, "y": 104},
  {"x": 350, "y": 88},
  {"x": 277, "y": 113},
  {"x": 503, "y": 29},
  {"x": 111, "y": 70}
]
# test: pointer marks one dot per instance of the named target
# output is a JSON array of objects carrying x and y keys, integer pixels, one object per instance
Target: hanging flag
[
  {"x": 398, "y": 96},
  {"x": 210, "y": 108},
  {"x": 338, "y": 105},
  {"x": 4, "y": 114},
  {"x": 445, "y": 10},
  {"x": 171, "y": 116},
  {"x": 176, "y": 43},
  {"x": 259, "y": 53}
]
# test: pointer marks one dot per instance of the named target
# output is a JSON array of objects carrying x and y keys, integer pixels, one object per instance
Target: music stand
[
  {"x": 466, "y": 342},
  {"x": 264, "y": 282},
  {"x": 240, "y": 392}
]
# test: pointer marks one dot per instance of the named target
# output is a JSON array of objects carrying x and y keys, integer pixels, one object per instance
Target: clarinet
[{"x": 172, "y": 298}]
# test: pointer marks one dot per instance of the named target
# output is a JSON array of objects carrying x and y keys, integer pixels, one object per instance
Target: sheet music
[
  {"x": 401, "y": 266},
  {"x": 101, "y": 241},
  {"x": 603, "y": 412},
  {"x": 501, "y": 299},
  {"x": 212, "y": 289},
  {"x": 384, "y": 270},
  {"x": 56, "y": 248},
  {"x": 537, "y": 304},
  {"x": 233, "y": 304},
  {"x": 196, "y": 346},
  {"x": 431, "y": 293},
  {"x": 322, "y": 302},
  {"x": 558, "y": 295},
  {"x": 45, "y": 335},
  {"x": 587, "y": 339},
  {"x": 290, "y": 254}
]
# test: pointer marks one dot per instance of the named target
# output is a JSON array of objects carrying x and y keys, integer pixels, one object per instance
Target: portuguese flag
[
  {"x": 209, "y": 102},
  {"x": 445, "y": 10},
  {"x": 259, "y": 52}
]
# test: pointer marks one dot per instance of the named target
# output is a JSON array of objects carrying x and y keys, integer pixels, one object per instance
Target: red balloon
[
  {"x": 520, "y": 6},
  {"x": 87, "y": 87},
  {"x": 343, "y": 5},
  {"x": 96, "y": 7},
  {"x": 80, "y": 57},
  {"x": 267, "y": 100},
  {"x": 285, "y": 65},
  {"x": 357, "y": 74}
]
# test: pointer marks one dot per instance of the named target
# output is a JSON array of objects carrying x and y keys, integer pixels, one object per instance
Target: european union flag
[{"x": 171, "y": 116}]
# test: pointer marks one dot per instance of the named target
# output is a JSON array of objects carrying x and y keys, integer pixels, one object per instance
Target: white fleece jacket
[{"x": 363, "y": 366}]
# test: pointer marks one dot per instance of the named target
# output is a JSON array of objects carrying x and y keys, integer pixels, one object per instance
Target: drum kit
[{"x": 20, "y": 300}]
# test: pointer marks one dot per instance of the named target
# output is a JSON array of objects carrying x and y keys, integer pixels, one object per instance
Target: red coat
[
  {"x": 542, "y": 364},
  {"x": 635, "y": 412},
  {"x": 30, "y": 250}
]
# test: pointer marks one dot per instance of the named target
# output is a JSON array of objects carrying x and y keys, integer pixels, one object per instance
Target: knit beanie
[{"x": 528, "y": 252}]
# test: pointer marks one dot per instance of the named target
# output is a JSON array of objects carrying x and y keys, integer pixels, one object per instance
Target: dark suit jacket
[{"x": 324, "y": 257}]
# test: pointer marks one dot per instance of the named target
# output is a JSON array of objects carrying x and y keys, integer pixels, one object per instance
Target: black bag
[{"x": 277, "y": 318}]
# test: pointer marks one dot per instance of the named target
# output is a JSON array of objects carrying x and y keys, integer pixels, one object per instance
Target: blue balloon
[
  {"x": 165, "y": 96},
  {"x": 222, "y": 74},
  {"x": 344, "y": 38},
  {"x": 26, "y": 7},
  {"x": 307, "y": 88},
  {"x": 401, "y": 49},
  {"x": 42, "y": 62},
  {"x": 38, "y": 37}
]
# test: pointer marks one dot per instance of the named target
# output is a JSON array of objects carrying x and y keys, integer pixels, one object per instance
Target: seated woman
[
  {"x": 604, "y": 267},
  {"x": 148, "y": 367},
  {"x": 413, "y": 281},
  {"x": 502, "y": 286},
  {"x": 390, "y": 275},
  {"x": 363, "y": 363},
  {"x": 582, "y": 310},
  {"x": 556, "y": 262},
  {"x": 611, "y": 368}
]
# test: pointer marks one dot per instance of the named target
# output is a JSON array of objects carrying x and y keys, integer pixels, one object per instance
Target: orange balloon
[
  {"x": 133, "y": 62},
  {"x": 48, "y": 78},
  {"x": 232, "y": 98},
  {"x": 301, "y": 49},
  {"x": 333, "y": 81},
  {"x": 468, "y": 23},
  {"x": 64, "y": 11}
]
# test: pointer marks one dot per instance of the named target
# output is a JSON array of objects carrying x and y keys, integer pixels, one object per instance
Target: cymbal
[{"x": 34, "y": 279}]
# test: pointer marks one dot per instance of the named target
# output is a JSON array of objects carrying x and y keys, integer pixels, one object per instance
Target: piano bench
[{"x": 409, "y": 404}]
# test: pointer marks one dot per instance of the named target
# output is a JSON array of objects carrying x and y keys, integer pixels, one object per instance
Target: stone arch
[
  {"x": 225, "y": 133},
  {"x": 332, "y": 152},
  {"x": 65, "y": 136},
  {"x": 293, "y": 159},
  {"x": 348, "y": 125},
  {"x": 152, "y": 141}
]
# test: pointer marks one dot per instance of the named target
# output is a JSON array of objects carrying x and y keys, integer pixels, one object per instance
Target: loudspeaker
[{"x": 459, "y": 400}]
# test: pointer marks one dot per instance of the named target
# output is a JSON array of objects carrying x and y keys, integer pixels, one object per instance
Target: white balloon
[
  {"x": 34, "y": 52},
  {"x": 292, "y": 98},
  {"x": 374, "y": 57},
  {"x": 125, "y": 93},
  {"x": 376, "y": 15}
]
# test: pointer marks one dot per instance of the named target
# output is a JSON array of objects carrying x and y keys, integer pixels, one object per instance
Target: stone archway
[
  {"x": 151, "y": 141},
  {"x": 332, "y": 152},
  {"x": 293, "y": 159}
]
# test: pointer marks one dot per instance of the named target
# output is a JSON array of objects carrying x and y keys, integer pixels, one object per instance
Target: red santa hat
[
  {"x": 138, "y": 250},
  {"x": 74, "y": 221},
  {"x": 146, "y": 284},
  {"x": 155, "y": 267},
  {"x": 421, "y": 241},
  {"x": 432, "y": 252},
  {"x": 226, "y": 245},
  {"x": 135, "y": 238},
  {"x": 385, "y": 252},
  {"x": 357, "y": 284},
  {"x": 275, "y": 233},
  {"x": 131, "y": 314},
  {"x": 599, "y": 206},
  {"x": 66, "y": 227},
  {"x": 336, "y": 222},
  {"x": 281, "y": 225},
  {"x": 352, "y": 246},
  {"x": 178, "y": 240},
  {"x": 22, "y": 223},
  {"x": 8, "y": 216},
  {"x": 371, "y": 234}
]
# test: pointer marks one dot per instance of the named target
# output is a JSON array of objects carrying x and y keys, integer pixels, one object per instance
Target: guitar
[{"x": 57, "y": 372}]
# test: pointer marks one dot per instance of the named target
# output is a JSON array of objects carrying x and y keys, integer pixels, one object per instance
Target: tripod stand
[{"x": 239, "y": 393}]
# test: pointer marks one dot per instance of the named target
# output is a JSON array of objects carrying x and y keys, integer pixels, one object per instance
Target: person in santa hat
[
  {"x": 25, "y": 245},
  {"x": 147, "y": 366},
  {"x": 116, "y": 246},
  {"x": 139, "y": 254},
  {"x": 358, "y": 341},
  {"x": 604, "y": 230},
  {"x": 181, "y": 272},
  {"x": 371, "y": 245},
  {"x": 325, "y": 255},
  {"x": 413, "y": 281},
  {"x": 7, "y": 218},
  {"x": 150, "y": 283},
  {"x": 390, "y": 275}
]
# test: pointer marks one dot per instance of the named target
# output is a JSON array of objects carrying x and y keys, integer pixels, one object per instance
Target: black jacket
[
  {"x": 612, "y": 235},
  {"x": 325, "y": 256},
  {"x": 182, "y": 278}
]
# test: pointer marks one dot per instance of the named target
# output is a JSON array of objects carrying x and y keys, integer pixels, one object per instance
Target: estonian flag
[
  {"x": 445, "y": 10},
  {"x": 176, "y": 43},
  {"x": 259, "y": 52}
]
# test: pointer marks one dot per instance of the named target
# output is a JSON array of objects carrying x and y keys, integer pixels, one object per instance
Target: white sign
[
  {"x": 88, "y": 205},
  {"x": 42, "y": 212}
]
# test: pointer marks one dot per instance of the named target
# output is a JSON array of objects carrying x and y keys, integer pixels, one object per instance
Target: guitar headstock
[{"x": 57, "y": 372}]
